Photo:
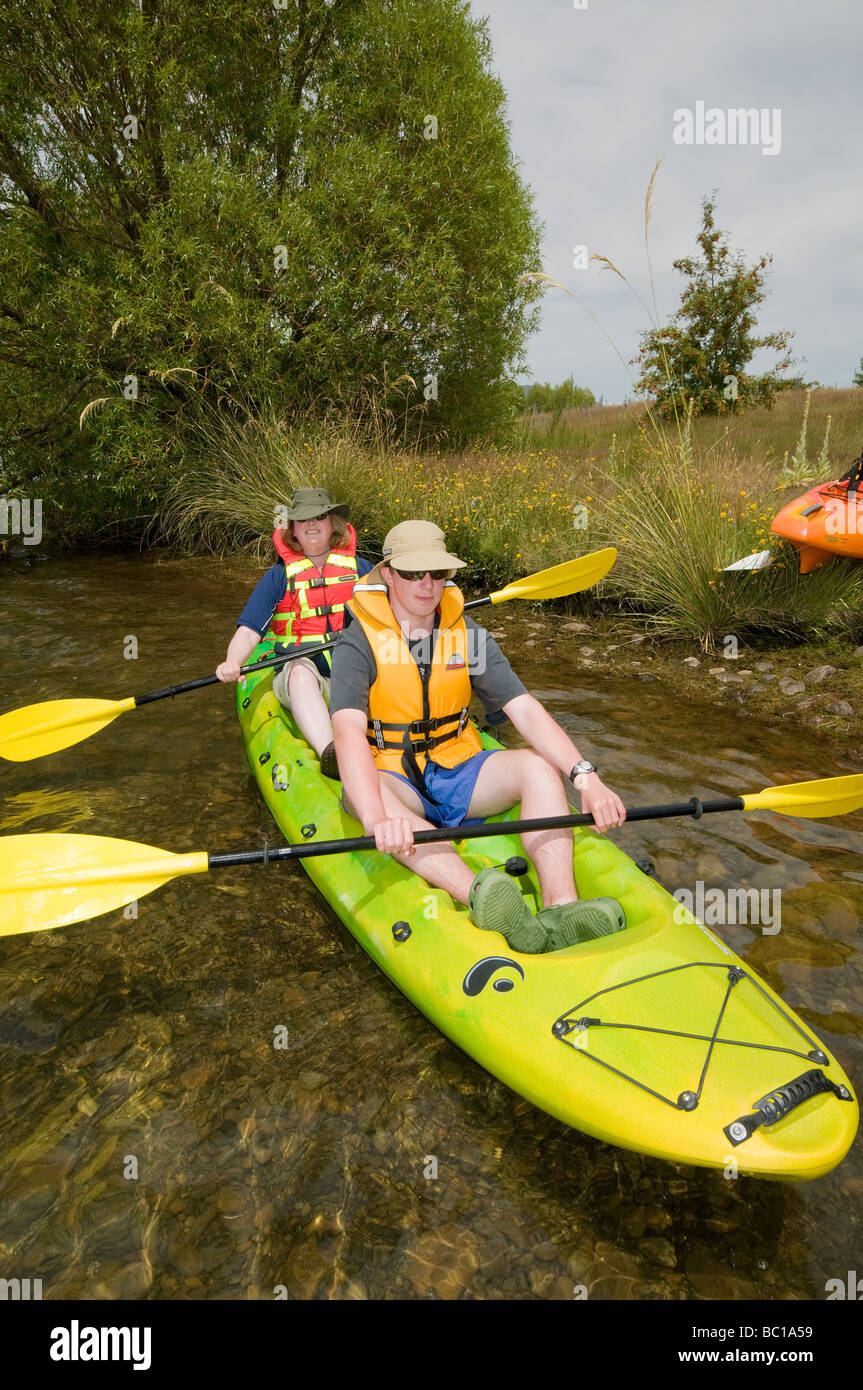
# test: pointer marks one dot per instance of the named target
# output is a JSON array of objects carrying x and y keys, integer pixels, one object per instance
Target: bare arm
[
  {"x": 362, "y": 787},
  {"x": 243, "y": 642},
  {"x": 546, "y": 736}
]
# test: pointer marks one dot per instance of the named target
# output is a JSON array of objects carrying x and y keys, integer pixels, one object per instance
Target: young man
[{"x": 403, "y": 673}]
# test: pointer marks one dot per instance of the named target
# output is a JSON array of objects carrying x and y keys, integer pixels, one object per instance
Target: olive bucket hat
[{"x": 314, "y": 501}]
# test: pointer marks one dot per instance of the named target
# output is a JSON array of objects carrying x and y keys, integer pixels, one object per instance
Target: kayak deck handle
[{"x": 772, "y": 1108}]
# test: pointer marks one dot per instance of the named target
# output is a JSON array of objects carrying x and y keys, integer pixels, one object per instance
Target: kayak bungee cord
[{"x": 688, "y": 1100}]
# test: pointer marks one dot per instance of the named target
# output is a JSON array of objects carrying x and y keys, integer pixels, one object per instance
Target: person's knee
[
  {"x": 302, "y": 683},
  {"x": 539, "y": 775}
]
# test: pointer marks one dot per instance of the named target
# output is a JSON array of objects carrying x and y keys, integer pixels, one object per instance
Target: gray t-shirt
[{"x": 355, "y": 668}]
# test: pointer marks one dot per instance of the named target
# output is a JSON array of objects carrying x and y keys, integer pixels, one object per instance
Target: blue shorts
[{"x": 448, "y": 790}]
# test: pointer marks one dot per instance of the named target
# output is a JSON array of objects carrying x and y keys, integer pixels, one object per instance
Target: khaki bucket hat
[
  {"x": 418, "y": 545},
  {"x": 314, "y": 501}
]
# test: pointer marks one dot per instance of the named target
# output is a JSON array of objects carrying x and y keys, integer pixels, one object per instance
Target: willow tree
[{"x": 289, "y": 204}]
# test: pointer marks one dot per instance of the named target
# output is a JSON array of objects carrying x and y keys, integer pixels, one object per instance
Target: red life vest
[{"x": 314, "y": 599}]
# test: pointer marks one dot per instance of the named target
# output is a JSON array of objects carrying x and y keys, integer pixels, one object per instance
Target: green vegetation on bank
[
  {"x": 290, "y": 245},
  {"x": 206, "y": 210},
  {"x": 543, "y": 397},
  {"x": 678, "y": 507}
]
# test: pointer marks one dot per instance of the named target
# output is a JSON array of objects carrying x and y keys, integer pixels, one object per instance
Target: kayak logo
[
  {"x": 479, "y": 975},
  {"x": 76, "y": 1343},
  {"x": 852, "y": 1288},
  {"x": 721, "y": 907}
]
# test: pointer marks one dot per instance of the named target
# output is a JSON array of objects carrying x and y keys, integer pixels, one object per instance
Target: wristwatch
[{"x": 581, "y": 769}]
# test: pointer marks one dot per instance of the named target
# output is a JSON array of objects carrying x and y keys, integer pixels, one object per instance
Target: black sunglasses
[
  {"x": 306, "y": 519},
  {"x": 416, "y": 576}
]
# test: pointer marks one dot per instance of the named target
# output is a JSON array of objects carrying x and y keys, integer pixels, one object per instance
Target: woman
[{"x": 302, "y": 599}]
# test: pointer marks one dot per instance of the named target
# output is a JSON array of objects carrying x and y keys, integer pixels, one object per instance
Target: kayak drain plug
[{"x": 401, "y": 931}]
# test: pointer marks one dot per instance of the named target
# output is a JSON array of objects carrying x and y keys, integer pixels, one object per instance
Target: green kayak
[{"x": 658, "y": 1039}]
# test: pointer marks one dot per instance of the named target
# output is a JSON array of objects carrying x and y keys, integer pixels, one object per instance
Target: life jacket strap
[
  {"x": 414, "y": 732},
  {"x": 322, "y": 609}
]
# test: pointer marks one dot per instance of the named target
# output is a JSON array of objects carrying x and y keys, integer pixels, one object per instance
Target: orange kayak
[{"x": 823, "y": 523}]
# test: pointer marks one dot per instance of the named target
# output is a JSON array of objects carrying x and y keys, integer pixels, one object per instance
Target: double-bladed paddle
[
  {"x": 35, "y": 730},
  {"x": 56, "y": 880}
]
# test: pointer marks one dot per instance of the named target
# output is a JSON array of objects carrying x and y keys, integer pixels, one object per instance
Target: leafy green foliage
[
  {"x": 701, "y": 357},
  {"x": 566, "y": 396},
  {"x": 241, "y": 208}
]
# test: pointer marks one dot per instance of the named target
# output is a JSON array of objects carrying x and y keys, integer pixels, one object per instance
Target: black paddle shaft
[
  {"x": 694, "y": 807},
  {"x": 304, "y": 649}
]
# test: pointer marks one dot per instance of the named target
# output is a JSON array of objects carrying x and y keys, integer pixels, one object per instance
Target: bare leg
[
  {"x": 439, "y": 865},
  {"x": 309, "y": 708},
  {"x": 518, "y": 776}
]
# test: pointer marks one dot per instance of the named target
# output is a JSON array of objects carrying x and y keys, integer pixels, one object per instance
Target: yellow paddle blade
[
  {"x": 55, "y": 880},
  {"x": 35, "y": 730},
  {"x": 832, "y": 796},
  {"x": 569, "y": 578}
]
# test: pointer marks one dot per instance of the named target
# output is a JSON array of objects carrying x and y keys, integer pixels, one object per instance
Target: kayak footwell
[{"x": 658, "y": 1039}]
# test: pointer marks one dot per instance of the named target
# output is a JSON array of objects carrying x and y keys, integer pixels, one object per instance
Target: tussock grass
[
  {"x": 684, "y": 524},
  {"x": 677, "y": 511},
  {"x": 504, "y": 515},
  {"x": 680, "y": 500}
]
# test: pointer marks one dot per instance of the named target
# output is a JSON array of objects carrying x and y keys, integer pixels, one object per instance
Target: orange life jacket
[
  {"x": 413, "y": 714},
  {"x": 314, "y": 599}
]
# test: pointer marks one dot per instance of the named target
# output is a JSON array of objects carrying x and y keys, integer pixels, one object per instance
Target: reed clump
[{"x": 678, "y": 503}]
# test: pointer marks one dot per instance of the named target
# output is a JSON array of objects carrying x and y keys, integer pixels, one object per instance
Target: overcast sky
[{"x": 593, "y": 93}]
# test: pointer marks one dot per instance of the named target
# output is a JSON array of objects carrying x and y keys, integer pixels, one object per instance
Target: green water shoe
[
  {"x": 496, "y": 904},
  {"x": 571, "y": 924}
]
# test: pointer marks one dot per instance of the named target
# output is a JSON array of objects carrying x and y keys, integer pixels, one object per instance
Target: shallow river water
[{"x": 155, "y": 1144}]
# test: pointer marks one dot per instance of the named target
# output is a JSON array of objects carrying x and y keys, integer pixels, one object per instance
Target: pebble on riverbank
[{"x": 786, "y": 682}]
